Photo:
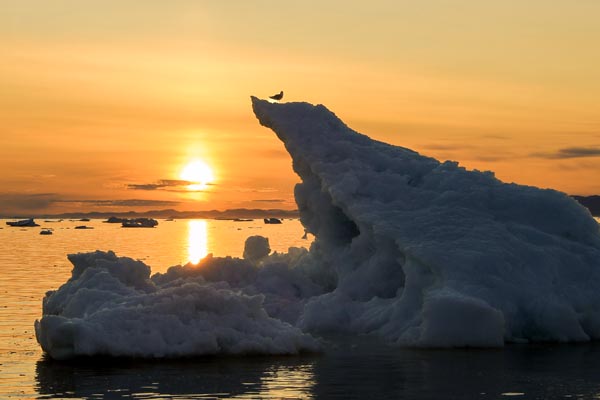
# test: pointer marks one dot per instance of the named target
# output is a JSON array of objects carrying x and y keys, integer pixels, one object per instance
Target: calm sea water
[{"x": 350, "y": 368}]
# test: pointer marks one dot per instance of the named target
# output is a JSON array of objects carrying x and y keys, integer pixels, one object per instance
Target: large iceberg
[
  {"x": 427, "y": 253},
  {"x": 417, "y": 251}
]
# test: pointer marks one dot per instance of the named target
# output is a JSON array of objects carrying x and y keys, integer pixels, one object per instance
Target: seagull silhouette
[{"x": 277, "y": 96}]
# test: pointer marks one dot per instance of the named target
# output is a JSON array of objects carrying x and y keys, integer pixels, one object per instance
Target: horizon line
[{"x": 168, "y": 212}]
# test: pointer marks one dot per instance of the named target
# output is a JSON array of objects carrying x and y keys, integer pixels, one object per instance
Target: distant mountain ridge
[
  {"x": 592, "y": 203},
  {"x": 170, "y": 213}
]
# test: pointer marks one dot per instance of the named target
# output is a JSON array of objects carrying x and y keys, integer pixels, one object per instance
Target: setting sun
[{"x": 198, "y": 173}]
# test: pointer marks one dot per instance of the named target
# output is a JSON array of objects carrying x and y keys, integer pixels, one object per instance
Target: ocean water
[{"x": 350, "y": 368}]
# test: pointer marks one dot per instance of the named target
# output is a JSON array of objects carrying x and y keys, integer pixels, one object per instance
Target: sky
[{"x": 104, "y": 103}]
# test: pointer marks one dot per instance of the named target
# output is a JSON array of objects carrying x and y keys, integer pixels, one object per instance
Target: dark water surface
[{"x": 350, "y": 369}]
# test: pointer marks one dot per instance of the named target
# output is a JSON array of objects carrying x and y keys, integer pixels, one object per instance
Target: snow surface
[{"x": 419, "y": 252}]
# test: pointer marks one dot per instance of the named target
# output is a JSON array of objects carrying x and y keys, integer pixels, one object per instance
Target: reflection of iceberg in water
[
  {"x": 216, "y": 378},
  {"x": 353, "y": 369},
  {"x": 197, "y": 240}
]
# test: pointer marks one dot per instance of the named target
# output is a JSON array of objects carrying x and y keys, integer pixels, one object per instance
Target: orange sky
[{"x": 101, "y": 99}]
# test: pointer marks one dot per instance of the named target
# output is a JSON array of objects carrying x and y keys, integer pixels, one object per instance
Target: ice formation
[
  {"x": 429, "y": 254},
  {"x": 419, "y": 252},
  {"x": 112, "y": 307},
  {"x": 256, "y": 247}
]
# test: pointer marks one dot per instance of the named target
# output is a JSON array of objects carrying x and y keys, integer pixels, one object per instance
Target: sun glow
[{"x": 198, "y": 173}]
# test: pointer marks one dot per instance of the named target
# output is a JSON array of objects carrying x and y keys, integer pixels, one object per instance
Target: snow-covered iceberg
[
  {"x": 111, "y": 306},
  {"x": 426, "y": 253},
  {"x": 419, "y": 252}
]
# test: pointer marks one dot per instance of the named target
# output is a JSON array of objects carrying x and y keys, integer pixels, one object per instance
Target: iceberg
[
  {"x": 427, "y": 253},
  {"x": 419, "y": 252},
  {"x": 112, "y": 307}
]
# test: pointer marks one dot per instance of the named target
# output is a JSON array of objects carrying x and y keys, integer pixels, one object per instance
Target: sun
[{"x": 198, "y": 173}]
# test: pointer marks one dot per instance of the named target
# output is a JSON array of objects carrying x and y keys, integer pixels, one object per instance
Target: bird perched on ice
[{"x": 277, "y": 96}]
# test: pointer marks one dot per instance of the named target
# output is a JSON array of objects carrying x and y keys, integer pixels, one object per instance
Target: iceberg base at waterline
[{"x": 419, "y": 252}]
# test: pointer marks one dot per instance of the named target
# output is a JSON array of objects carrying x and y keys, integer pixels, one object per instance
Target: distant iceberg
[{"x": 419, "y": 252}]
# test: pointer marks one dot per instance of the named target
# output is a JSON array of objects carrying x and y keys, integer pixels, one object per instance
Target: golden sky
[{"x": 103, "y": 103}]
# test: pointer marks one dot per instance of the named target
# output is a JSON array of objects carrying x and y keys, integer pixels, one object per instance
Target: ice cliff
[
  {"x": 416, "y": 251},
  {"x": 429, "y": 254}
]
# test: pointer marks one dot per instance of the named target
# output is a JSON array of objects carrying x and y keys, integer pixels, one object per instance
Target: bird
[{"x": 277, "y": 96}]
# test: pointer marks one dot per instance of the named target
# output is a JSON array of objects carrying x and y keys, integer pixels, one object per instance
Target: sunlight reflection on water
[{"x": 197, "y": 240}]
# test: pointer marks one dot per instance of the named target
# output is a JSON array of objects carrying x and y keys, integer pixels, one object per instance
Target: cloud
[
  {"x": 570, "y": 152},
  {"x": 161, "y": 184},
  {"x": 28, "y": 202},
  {"x": 493, "y": 157},
  {"x": 470, "y": 152},
  {"x": 253, "y": 190},
  {"x": 25, "y": 203},
  {"x": 124, "y": 203},
  {"x": 138, "y": 203},
  {"x": 269, "y": 201},
  {"x": 496, "y": 137},
  {"x": 272, "y": 153},
  {"x": 447, "y": 146},
  {"x": 169, "y": 185}
]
